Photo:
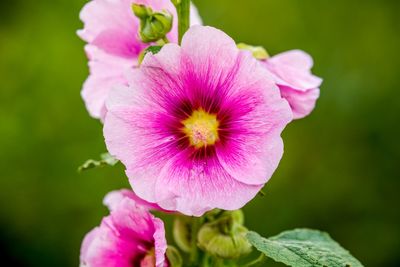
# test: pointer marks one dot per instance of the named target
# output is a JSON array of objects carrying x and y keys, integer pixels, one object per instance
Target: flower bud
[
  {"x": 154, "y": 26},
  {"x": 224, "y": 245},
  {"x": 258, "y": 52},
  {"x": 226, "y": 236},
  {"x": 236, "y": 215}
]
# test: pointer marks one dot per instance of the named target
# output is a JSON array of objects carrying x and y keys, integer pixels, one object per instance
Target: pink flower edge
[{"x": 292, "y": 73}]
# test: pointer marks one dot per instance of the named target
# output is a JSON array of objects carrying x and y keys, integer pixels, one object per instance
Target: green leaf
[
  {"x": 304, "y": 248},
  {"x": 106, "y": 159}
]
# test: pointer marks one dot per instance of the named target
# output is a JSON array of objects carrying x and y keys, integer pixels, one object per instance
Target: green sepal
[
  {"x": 151, "y": 49},
  {"x": 258, "y": 52}
]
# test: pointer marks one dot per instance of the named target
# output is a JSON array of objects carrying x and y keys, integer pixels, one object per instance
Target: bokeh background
[{"x": 340, "y": 171}]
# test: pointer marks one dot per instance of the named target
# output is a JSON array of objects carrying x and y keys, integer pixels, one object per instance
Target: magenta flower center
[{"x": 201, "y": 128}]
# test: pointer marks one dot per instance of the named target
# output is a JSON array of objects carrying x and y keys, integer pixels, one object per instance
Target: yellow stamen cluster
[{"x": 201, "y": 128}]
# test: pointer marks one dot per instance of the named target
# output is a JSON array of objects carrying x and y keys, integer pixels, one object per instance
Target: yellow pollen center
[{"x": 201, "y": 128}]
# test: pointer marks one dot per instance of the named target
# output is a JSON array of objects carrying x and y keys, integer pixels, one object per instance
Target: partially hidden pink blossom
[
  {"x": 199, "y": 126},
  {"x": 129, "y": 236},
  {"x": 113, "y": 45},
  {"x": 113, "y": 199},
  {"x": 292, "y": 73}
]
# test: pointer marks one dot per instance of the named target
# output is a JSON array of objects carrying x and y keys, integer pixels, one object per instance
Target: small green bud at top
[
  {"x": 154, "y": 26},
  {"x": 141, "y": 11},
  {"x": 258, "y": 52}
]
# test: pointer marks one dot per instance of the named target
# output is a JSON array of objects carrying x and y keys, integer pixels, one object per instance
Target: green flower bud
[
  {"x": 224, "y": 239},
  {"x": 258, "y": 52},
  {"x": 236, "y": 215},
  {"x": 154, "y": 26}
]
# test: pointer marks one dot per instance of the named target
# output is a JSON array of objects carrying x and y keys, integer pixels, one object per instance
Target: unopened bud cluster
[{"x": 154, "y": 26}]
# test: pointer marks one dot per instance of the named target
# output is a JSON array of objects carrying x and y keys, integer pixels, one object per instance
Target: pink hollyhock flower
[
  {"x": 199, "y": 127},
  {"x": 292, "y": 73},
  {"x": 111, "y": 31},
  {"x": 129, "y": 236}
]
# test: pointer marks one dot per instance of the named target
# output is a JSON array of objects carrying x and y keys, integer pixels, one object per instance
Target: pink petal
[
  {"x": 105, "y": 72},
  {"x": 209, "y": 52},
  {"x": 160, "y": 242},
  {"x": 296, "y": 58},
  {"x": 194, "y": 187},
  {"x": 301, "y": 103},
  {"x": 293, "y": 69},
  {"x": 102, "y": 15},
  {"x": 292, "y": 73},
  {"x": 252, "y": 154},
  {"x": 114, "y": 198}
]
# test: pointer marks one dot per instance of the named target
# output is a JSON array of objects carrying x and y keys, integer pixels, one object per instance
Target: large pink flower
[
  {"x": 111, "y": 31},
  {"x": 130, "y": 236},
  {"x": 199, "y": 127},
  {"x": 292, "y": 73}
]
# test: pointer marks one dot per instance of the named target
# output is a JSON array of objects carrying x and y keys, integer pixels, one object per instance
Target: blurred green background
[{"x": 340, "y": 171}]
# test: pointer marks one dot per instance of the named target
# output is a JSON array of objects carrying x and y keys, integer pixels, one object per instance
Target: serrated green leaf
[
  {"x": 304, "y": 248},
  {"x": 106, "y": 159}
]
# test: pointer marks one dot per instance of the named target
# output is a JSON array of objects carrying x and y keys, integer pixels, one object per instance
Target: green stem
[
  {"x": 257, "y": 261},
  {"x": 206, "y": 261},
  {"x": 183, "y": 11},
  {"x": 165, "y": 39},
  {"x": 162, "y": 41},
  {"x": 194, "y": 253}
]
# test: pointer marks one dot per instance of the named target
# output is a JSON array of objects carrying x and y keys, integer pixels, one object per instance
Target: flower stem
[
  {"x": 194, "y": 253},
  {"x": 257, "y": 261},
  {"x": 183, "y": 11}
]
